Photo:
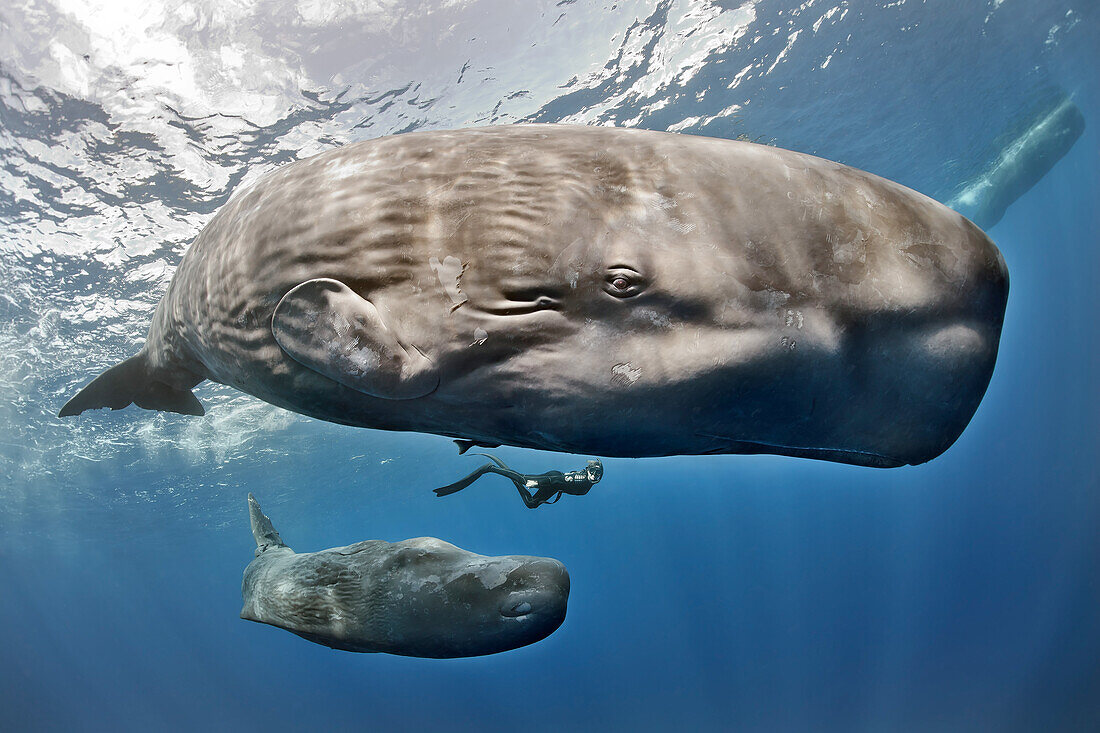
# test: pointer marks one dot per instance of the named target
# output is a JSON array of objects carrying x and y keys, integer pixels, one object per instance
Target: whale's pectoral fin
[
  {"x": 465, "y": 445},
  {"x": 263, "y": 531},
  {"x": 326, "y": 326}
]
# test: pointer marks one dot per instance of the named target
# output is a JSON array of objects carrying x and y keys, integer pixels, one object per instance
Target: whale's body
[
  {"x": 590, "y": 290},
  {"x": 1022, "y": 163},
  {"x": 420, "y": 597}
]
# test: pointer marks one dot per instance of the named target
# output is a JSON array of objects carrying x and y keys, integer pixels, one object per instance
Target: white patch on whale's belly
[{"x": 952, "y": 344}]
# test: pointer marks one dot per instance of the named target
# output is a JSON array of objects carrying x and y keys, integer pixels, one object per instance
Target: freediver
[{"x": 547, "y": 487}]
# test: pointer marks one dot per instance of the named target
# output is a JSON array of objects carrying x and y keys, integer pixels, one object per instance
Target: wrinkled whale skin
[
  {"x": 420, "y": 597},
  {"x": 460, "y": 283}
]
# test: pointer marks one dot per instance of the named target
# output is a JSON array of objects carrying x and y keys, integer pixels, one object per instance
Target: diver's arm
[{"x": 528, "y": 499}]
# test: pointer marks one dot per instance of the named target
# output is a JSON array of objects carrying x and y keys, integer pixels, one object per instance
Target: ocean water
[{"x": 748, "y": 593}]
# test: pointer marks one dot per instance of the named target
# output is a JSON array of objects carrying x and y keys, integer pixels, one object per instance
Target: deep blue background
[{"x": 750, "y": 591}]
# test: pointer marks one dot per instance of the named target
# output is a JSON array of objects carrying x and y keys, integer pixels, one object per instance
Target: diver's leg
[{"x": 516, "y": 477}]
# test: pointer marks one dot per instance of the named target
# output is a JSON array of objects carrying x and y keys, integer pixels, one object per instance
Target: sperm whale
[
  {"x": 589, "y": 290},
  {"x": 420, "y": 597}
]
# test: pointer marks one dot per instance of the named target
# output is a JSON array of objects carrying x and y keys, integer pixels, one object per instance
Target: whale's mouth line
[
  {"x": 523, "y": 308},
  {"x": 860, "y": 457}
]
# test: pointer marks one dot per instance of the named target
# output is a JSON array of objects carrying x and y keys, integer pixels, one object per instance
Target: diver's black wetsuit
[{"x": 548, "y": 487}]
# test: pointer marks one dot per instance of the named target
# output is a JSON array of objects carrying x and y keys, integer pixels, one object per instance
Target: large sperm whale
[
  {"x": 417, "y": 598},
  {"x": 590, "y": 290}
]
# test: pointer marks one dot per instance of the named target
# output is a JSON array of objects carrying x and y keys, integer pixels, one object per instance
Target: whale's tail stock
[
  {"x": 133, "y": 382},
  {"x": 262, "y": 529}
]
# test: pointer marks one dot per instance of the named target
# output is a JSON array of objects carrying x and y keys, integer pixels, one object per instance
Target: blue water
[{"x": 708, "y": 593}]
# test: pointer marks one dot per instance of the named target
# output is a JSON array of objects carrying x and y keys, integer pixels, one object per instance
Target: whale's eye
[{"x": 623, "y": 282}]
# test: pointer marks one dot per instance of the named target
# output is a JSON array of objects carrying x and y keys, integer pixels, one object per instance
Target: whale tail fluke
[
  {"x": 132, "y": 382},
  {"x": 262, "y": 529}
]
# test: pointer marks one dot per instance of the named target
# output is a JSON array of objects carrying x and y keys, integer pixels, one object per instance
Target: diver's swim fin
[
  {"x": 465, "y": 445},
  {"x": 462, "y": 484},
  {"x": 132, "y": 383},
  {"x": 495, "y": 460},
  {"x": 458, "y": 486}
]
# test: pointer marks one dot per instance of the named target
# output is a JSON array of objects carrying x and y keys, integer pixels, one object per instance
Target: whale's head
[{"x": 441, "y": 601}]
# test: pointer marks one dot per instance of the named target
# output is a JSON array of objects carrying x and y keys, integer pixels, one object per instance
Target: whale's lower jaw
[
  {"x": 446, "y": 644},
  {"x": 941, "y": 433},
  {"x": 442, "y": 651},
  {"x": 835, "y": 455}
]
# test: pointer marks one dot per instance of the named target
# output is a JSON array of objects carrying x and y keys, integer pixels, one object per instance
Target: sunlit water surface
[{"x": 709, "y": 593}]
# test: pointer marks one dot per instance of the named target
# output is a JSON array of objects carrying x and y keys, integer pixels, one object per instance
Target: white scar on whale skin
[
  {"x": 449, "y": 271},
  {"x": 625, "y": 374}
]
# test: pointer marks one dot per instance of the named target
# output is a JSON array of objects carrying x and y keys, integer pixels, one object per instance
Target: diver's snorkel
[{"x": 594, "y": 471}]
